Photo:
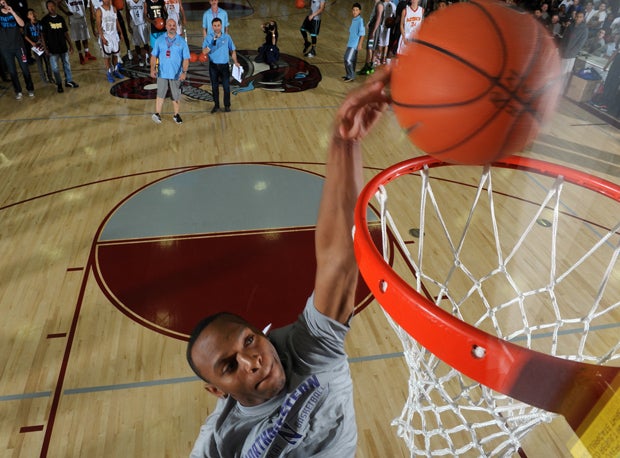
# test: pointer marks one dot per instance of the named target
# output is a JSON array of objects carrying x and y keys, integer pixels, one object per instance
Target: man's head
[
  {"x": 214, "y": 4},
  {"x": 579, "y": 17},
  {"x": 32, "y": 15},
  {"x": 235, "y": 359},
  {"x": 216, "y": 25},
  {"x": 51, "y": 7},
  {"x": 171, "y": 27},
  {"x": 356, "y": 9}
]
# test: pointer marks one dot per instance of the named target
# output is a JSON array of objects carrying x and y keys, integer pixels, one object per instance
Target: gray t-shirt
[{"x": 314, "y": 417}]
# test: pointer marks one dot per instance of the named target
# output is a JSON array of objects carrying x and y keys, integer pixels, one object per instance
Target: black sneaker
[
  {"x": 177, "y": 119},
  {"x": 310, "y": 53},
  {"x": 156, "y": 118},
  {"x": 60, "y": 89},
  {"x": 215, "y": 109},
  {"x": 71, "y": 84},
  {"x": 227, "y": 109},
  {"x": 307, "y": 46}
]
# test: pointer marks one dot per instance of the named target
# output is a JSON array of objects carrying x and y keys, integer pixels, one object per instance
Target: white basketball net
[{"x": 545, "y": 277}]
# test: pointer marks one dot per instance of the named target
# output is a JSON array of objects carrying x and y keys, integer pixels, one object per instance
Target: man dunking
[{"x": 291, "y": 394}]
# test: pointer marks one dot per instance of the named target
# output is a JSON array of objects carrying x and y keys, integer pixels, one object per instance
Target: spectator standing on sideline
[
  {"x": 214, "y": 12},
  {"x": 12, "y": 47},
  {"x": 312, "y": 26},
  {"x": 58, "y": 45},
  {"x": 172, "y": 52},
  {"x": 354, "y": 45},
  {"x": 34, "y": 35},
  {"x": 574, "y": 38},
  {"x": 220, "y": 48}
]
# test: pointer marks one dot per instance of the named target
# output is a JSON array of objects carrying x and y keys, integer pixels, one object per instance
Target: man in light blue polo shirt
[
  {"x": 212, "y": 13},
  {"x": 219, "y": 45},
  {"x": 172, "y": 54}
]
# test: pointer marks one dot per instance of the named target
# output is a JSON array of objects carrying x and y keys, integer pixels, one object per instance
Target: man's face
[
  {"x": 51, "y": 7},
  {"x": 239, "y": 361},
  {"x": 214, "y": 4},
  {"x": 355, "y": 11},
  {"x": 171, "y": 27},
  {"x": 578, "y": 18},
  {"x": 217, "y": 27}
]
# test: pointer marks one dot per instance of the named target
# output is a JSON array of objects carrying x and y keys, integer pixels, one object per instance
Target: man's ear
[{"x": 215, "y": 390}]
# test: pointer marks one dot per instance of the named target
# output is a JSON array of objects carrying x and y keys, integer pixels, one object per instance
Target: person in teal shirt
[
  {"x": 169, "y": 63},
  {"x": 356, "y": 38},
  {"x": 219, "y": 46}
]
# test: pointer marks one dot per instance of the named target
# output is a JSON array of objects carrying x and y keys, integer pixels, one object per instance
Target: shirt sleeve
[{"x": 205, "y": 445}]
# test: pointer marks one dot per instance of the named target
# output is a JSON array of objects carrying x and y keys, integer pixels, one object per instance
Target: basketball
[
  {"x": 476, "y": 83},
  {"x": 193, "y": 57},
  {"x": 300, "y": 4},
  {"x": 203, "y": 57},
  {"x": 160, "y": 23}
]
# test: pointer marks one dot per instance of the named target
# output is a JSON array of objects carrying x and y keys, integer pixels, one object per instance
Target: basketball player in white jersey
[
  {"x": 109, "y": 38},
  {"x": 76, "y": 11},
  {"x": 176, "y": 12},
  {"x": 410, "y": 23},
  {"x": 134, "y": 9}
]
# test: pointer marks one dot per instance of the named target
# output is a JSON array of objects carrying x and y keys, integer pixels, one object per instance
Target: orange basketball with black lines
[
  {"x": 160, "y": 23},
  {"x": 476, "y": 83}
]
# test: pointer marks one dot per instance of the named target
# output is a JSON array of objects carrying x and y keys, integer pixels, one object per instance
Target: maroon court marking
[
  {"x": 57, "y": 335},
  {"x": 31, "y": 429}
]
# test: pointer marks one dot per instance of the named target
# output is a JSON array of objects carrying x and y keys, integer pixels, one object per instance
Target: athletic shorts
[
  {"x": 114, "y": 44},
  {"x": 162, "y": 88},
  {"x": 140, "y": 34},
  {"x": 311, "y": 26},
  {"x": 78, "y": 30},
  {"x": 384, "y": 36}
]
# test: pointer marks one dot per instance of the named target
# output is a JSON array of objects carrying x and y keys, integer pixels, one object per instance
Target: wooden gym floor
[{"x": 85, "y": 371}]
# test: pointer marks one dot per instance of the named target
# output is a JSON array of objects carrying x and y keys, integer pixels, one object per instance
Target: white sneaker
[
  {"x": 156, "y": 118},
  {"x": 18, "y": 96},
  {"x": 129, "y": 55}
]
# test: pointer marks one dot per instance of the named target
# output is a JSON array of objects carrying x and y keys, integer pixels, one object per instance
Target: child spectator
[
  {"x": 33, "y": 35},
  {"x": 354, "y": 45}
]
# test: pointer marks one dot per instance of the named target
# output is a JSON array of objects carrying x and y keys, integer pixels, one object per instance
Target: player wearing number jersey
[
  {"x": 410, "y": 22},
  {"x": 175, "y": 11},
  {"x": 154, "y": 9},
  {"x": 76, "y": 10},
  {"x": 139, "y": 29},
  {"x": 109, "y": 38}
]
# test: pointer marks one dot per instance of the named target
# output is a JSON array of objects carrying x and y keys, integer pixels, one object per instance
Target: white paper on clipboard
[{"x": 237, "y": 72}]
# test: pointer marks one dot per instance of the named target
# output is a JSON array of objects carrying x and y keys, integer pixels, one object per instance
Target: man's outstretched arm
[{"x": 337, "y": 273}]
